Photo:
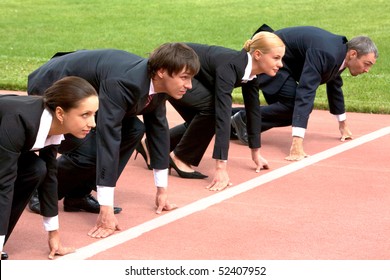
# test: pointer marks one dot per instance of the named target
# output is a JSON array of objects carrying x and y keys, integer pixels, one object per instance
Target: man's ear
[
  {"x": 160, "y": 73},
  {"x": 352, "y": 54}
]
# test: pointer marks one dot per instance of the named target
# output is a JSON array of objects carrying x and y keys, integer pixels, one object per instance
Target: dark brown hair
[
  {"x": 67, "y": 93},
  {"x": 173, "y": 57}
]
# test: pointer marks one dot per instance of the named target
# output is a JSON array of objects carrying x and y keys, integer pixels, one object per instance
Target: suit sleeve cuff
[
  {"x": 105, "y": 195},
  {"x": 51, "y": 223},
  {"x": 341, "y": 117},
  {"x": 161, "y": 177},
  {"x": 298, "y": 131}
]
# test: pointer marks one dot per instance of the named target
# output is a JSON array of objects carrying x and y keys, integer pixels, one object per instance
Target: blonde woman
[{"x": 207, "y": 107}]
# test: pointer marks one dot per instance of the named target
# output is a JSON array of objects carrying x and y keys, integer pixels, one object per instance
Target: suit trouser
[
  {"x": 77, "y": 164},
  {"x": 189, "y": 141},
  {"x": 280, "y": 108},
  {"x": 31, "y": 174}
]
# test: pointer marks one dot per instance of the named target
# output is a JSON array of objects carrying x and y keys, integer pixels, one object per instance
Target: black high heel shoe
[
  {"x": 183, "y": 174},
  {"x": 141, "y": 150}
]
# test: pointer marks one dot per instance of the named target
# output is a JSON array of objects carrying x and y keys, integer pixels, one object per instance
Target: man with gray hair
[{"x": 313, "y": 57}]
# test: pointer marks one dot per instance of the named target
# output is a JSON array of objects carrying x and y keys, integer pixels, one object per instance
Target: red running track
[{"x": 333, "y": 205}]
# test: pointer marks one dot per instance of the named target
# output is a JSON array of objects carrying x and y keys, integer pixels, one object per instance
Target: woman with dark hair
[{"x": 31, "y": 128}]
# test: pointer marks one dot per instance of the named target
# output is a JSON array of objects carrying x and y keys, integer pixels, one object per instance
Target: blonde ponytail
[{"x": 247, "y": 45}]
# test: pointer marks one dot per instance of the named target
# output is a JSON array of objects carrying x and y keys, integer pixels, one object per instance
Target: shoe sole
[{"x": 73, "y": 209}]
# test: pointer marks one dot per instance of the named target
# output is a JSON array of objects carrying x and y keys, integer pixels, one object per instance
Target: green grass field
[{"x": 31, "y": 31}]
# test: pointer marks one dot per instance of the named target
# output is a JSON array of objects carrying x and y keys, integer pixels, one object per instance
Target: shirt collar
[
  {"x": 151, "y": 88},
  {"x": 342, "y": 67},
  {"x": 43, "y": 138},
  {"x": 248, "y": 70}
]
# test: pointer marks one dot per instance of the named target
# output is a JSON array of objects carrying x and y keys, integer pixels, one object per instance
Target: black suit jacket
[
  {"x": 19, "y": 124},
  {"x": 122, "y": 82},
  {"x": 221, "y": 71},
  {"x": 313, "y": 57}
]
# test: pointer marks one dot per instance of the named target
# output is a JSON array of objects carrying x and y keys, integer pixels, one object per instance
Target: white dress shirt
[{"x": 43, "y": 140}]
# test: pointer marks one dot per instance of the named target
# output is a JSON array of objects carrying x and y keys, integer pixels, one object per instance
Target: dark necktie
[{"x": 150, "y": 97}]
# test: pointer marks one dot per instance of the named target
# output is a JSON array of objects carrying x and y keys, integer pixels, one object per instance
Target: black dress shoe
[
  {"x": 240, "y": 127},
  {"x": 4, "y": 256},
  {"x": 34, "y": 204},
  {"x": 233, "y": 134},
  {"x": 87, "y": 204},
  {"x": 183, "y": 174}
]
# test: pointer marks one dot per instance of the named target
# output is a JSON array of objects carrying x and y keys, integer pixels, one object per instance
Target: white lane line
[{"x": 199, "y": 205}]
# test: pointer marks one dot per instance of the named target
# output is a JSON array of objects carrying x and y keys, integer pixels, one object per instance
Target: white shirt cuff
[
  {"x": 298, "y": 131},
  {"x": 105, "y": 195},
  {"x": 341, "y": 117},
  {"x": 2, "y": 239},
  {"x": 161, "y": 177},
  {"x": 51, "y": 223}
]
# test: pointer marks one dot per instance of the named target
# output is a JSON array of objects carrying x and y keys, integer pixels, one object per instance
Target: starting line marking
[{"x": 199, "y": 205}]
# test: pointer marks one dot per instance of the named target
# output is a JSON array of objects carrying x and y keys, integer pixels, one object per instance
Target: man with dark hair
[{"x": 127, "y": 85}]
